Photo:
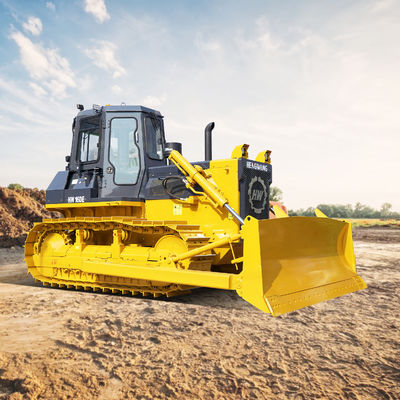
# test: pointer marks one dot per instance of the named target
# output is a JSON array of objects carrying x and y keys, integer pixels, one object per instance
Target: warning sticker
[{"x": 178, "y": 209}]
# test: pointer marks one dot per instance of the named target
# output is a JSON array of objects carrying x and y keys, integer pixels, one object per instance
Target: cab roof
[{"x": 122, "y": 108}]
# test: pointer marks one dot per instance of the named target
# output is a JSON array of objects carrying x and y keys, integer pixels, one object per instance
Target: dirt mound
[{"x": 19, "y": 209}]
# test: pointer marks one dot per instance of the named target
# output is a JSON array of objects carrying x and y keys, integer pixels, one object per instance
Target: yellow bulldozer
[{"x": 138, "y": 218}]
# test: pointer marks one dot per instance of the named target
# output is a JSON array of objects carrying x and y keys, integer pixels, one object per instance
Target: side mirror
[{"x": 67, "y": 158}]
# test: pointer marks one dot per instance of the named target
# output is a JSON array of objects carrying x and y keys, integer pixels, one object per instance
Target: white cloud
[
  {"x": 103, "y": 56},
  {"x": 39, "y": 127},
  {"x": 116, "y": 89},
  {"x": 45, "y": 65},
  {"x": 261, "y": 40},
  {"x": 98, "y": 9},
  {"x": 51, "y": 6},
  {"x": 153, "y": 101},
  {"x": 380, "y": 5},
  {"x": 33, "y": 26},
  {"x": 37, "y": 89},
  {"x": 211, "y": 45},
  {"x": 25, "y": 111}
]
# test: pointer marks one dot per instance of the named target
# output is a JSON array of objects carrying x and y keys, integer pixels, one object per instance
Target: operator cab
[{"x": 112, "y": 148}]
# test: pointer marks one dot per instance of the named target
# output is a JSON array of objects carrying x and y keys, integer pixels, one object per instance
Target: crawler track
[{"x": 55, "y": 248}]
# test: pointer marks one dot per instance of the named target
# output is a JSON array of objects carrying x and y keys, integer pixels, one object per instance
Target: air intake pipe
[{"x": 208, "y": 141}]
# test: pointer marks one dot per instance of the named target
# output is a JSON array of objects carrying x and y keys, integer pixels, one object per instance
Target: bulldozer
[{"x": 138, "y": 218}]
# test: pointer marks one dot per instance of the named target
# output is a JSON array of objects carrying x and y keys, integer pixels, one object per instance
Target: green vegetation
[
  {"x": 15, "y": 186},
  {"x": 348, "y": 211},
  {"x": 275, "y": 194}
]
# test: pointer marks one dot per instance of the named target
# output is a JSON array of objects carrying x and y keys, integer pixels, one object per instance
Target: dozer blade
[{"x": 291, "y": 263}]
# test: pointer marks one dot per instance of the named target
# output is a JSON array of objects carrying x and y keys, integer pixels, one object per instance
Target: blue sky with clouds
[{"x": 317, "y": 82}]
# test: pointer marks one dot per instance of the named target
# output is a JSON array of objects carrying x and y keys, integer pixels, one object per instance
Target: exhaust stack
[{"x": 208, "y": 141}]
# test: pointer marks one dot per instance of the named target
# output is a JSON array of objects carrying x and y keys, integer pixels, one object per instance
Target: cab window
[
  {"x": 154, "y": 138},
  {"x": 124, "y": 153},
  {"x": 89, "y": 139}
]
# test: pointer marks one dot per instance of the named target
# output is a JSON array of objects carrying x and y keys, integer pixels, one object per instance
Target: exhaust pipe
[{"x": 208, "y": 141}]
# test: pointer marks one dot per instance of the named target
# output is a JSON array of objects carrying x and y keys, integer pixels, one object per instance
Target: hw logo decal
[{"x": 257, "y": 194}]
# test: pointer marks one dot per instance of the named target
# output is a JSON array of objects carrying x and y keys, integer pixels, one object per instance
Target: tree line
[
  {"x": 348, "y": 211},
  {"x": 339, "y": 210}
]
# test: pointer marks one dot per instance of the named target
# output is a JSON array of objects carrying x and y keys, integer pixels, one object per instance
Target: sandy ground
[{"x": 60, "y": 344}]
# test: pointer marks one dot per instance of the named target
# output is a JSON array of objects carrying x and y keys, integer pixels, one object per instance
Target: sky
[{"x": 315, "y": 81}]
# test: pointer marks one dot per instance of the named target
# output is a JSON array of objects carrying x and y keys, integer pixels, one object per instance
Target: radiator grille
[{"x": 254, "y": 181}]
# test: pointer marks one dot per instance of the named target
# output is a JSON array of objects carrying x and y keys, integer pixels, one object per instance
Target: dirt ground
[{"x": 60, "y": 344}]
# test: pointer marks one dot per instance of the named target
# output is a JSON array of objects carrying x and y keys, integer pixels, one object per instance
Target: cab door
[{"x": 123, "y": 158}]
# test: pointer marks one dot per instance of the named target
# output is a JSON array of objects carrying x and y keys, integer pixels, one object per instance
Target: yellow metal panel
[
  {"x": 198, "y": 209},
  {"x": 226, "y": 176},
  {"x": 293, "y": 262},
  {"x": 95, "y": 204},
  {"x": 287, "y": 303},
  {"x": 279, "y": 213},
  {"x": 319, "y": 213},
  {"x": 240, "y": 151},
  {"x": 216, "y": 280},
  {"x": 100, "y": 209},
  {"x": 264, "y": 156}
]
